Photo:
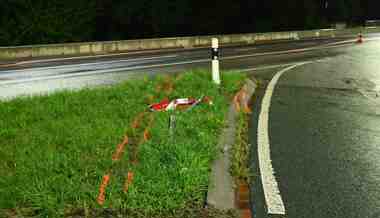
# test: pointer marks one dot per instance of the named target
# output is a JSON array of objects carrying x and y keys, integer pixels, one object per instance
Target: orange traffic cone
[{"x": 360, "y": 38}]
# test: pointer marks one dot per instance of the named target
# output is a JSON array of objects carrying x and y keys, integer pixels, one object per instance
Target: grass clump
[
  {"x": 55, "y": 149},
  {"x": 240, "y": 151}
]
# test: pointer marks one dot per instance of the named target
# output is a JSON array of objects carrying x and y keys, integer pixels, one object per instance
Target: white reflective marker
[{"x": 215, "y": 60}]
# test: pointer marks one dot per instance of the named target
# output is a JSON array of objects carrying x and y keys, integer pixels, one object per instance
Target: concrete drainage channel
[{"x": 223, "y": 194}]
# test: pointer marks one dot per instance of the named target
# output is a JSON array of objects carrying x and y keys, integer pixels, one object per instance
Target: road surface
[
  {"x": 317, "y": 109},
  {"x": 316, "y": 127},
  {"x": 29, "y": 77}
]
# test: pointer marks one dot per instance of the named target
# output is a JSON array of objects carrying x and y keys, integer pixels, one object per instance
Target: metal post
[{"x": 215, "y": 60}]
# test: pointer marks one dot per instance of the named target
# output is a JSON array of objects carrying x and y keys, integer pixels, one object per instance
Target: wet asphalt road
[
  {"x": 324, "y": 119},
  {"x": 324, "y": 132},
  {"x": 29, "y": 77}
]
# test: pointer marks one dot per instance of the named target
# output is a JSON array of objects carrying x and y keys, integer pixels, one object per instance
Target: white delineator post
[{"x": 215, "y": 60}]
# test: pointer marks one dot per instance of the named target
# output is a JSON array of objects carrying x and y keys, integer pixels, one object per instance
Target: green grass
[
  {"x": 55, "y": 149},
  {"x": 240, "y": 151}
]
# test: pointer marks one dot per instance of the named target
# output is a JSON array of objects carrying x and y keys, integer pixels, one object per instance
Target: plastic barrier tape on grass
[
  {"x": 102, "y": 189},
  {"x": 128, "y": 181},
  {"x": 120, "y": 149},
  {"x": 166, "y": 105}
]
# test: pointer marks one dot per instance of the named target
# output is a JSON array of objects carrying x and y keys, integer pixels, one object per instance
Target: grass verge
[
  {"x": 56, "y": 149},
  {"x": 240, "y": 151}
]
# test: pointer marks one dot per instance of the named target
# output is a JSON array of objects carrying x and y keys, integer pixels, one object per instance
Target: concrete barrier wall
[{"x": 91, "y": 48}]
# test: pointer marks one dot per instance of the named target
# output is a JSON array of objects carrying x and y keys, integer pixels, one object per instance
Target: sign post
[{"x": 215, "y": 60}]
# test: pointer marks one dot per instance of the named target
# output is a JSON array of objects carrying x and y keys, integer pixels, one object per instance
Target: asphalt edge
[{"x": 221, "y": 189}]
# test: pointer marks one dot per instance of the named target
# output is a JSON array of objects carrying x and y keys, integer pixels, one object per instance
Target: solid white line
[
  {"x": 266, "y": 67},
  {"x": 74, "y": 58},
  {"x": 10, "y": 82},
  {"x": 93, "y": 63},
  {"x": 299, "y": 50},
  {"x": 246, "y": 49},
  {"x": 273, "y": 199},
  {"x": 332, "y": 45},
  {"x": 265, "y": 54}
]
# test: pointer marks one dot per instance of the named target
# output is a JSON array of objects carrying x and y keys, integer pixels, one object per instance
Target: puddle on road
[
  {"x": 359, "y": 83},
  {"x": 365, "y": 87}
]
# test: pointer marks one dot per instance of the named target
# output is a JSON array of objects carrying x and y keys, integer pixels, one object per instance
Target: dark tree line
[{"x": 54, "y": 21}]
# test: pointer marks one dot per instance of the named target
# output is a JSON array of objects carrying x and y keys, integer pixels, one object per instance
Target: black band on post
[{"x": 214, "y": 54}]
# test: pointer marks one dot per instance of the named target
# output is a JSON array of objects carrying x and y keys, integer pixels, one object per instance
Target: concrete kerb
[{"x": 221, "y": 191}]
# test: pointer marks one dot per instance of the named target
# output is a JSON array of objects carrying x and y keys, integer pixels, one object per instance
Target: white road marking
[
  {"x": 93, "y": 63},
  {"x": 267, "y": 67},
  {"x": 100, "y": 72},
  {"x": 104, "y": 55},
  {"x": 331, "y": 29},
  {"x": 9, "y": 82},
  {"x": 75, "y": 58},
  {"x": 246, "y": 49},
  {"x": 281, "y": 52},
  {"x": 325, "y": 46},
  {"x": 329, "y": 45},
  {"x": 265, "y": 54},
  {"x": 273, "y": 199}
]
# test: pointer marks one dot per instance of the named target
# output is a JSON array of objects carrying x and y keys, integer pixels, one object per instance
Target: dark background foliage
[{"x": 55, "y": 21}]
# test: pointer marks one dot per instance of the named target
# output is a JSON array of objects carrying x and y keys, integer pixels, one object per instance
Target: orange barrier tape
[
  {"x": 147, "y": 135},
  {"x": 136, "y": 122},
  {"x": 102, "y": 189},
  {"x": 119, "y": 152},
  {"x": 120, "y": 149},
  {"x": 128, "y": 181}
]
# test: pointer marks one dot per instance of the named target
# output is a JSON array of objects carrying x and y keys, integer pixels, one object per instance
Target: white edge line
[
  {"x": 266, "y": 67},
  {"x": 76, "y": 58},
  {"x": 93, "y": 63},
  {"x": 178, "y": 63},
  {"x": 299, "y": 50},
  {"x": 101, "y": 72},
  {"x": 133, "y": 68},
  {"x": 11, "y": 82},
  {"x": 273, "y": 199}
]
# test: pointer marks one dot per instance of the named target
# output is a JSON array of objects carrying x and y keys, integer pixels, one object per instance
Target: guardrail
[{"x": 92, "y": 48}]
